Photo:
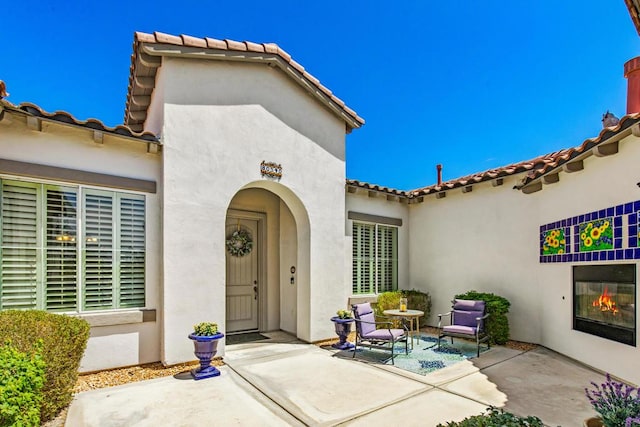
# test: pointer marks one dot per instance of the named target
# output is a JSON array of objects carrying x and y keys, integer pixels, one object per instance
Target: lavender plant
[{"x": 617, "y": 403}]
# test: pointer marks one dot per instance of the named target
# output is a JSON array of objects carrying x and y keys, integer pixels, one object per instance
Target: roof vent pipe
[
  {"x": 439, "y": 169},
  {"x": 632, "y": 74}
]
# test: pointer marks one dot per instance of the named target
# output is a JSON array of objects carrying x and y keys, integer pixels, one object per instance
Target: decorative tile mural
[{"x": 605, "y": 235}]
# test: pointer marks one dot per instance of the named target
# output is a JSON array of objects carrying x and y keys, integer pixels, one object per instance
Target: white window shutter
[
  {"x": 61, "y": 282},
  {"x": 19, "y": 271},
  {"x": 132, "y": 251},
  {"x": 98, "y": 262}
]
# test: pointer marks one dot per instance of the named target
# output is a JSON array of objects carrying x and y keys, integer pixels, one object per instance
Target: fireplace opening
[{"x": 604, "y": 301}]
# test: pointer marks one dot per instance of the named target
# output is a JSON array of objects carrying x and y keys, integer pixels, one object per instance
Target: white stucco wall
[
  {"x": 485, "y": 240},
  {"x": 605, "y": 182},
  {"x": 70, "y": 147},
  {"x": 221, "y": 120}
]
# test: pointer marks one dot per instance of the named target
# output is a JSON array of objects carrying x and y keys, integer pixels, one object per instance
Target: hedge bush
[
  {"x": 497, "y": 324},
  {"x": 416, "y": 300},
  {"x": 496, "y": 418},
  {"x": 21, "y": 381},
  {"x": 64, "y": 340}
]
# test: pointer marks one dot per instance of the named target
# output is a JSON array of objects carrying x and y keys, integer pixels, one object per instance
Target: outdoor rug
[
  {"x": 244, "y": 338},
  {"x": 425, "y": 356}
]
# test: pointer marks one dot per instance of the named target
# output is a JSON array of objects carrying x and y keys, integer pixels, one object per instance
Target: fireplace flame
[{"x": 605, "y": 303}]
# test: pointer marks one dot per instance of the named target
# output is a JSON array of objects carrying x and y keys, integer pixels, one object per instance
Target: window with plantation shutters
[
  {"x": 20, "y": 246},
  {"x": 375, "y": 258},
  {"x": 70, "y": 249}
]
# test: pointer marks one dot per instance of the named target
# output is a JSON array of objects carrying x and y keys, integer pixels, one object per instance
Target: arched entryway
[{"x": 267, "y": 288}]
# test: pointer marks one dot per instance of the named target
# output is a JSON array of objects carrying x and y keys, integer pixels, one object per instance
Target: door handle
[{"x": 255, "y": 289}]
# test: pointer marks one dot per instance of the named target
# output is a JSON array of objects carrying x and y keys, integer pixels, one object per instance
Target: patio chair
[
  {"x": 466, "y": 320},
  {"x": 368, "y": 334}
]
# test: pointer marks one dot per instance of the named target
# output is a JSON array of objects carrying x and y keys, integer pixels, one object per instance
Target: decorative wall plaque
[{"x": 271, "y": 170}]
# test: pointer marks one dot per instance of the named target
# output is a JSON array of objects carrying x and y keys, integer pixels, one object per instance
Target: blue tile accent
[
  {"x": 581, "y": 218},
  {"x": 628, "y": 254},
  {"x": 588, "y": 256},
  {"x": 633, "y": 242},
  {"x": 543, "y": 228},
  {"x": 628, "y": 208},
  {"x": 610, "y": 211},
  {"x": 633, "y": 230},
  {"x": 617, "y": 232},
  {"x": 576, "y": 247},
  {"x": 633, "y": 219},
  {"x": 619, "y": 254},
  {"x": 541, "y": 259},
  {"x": 636, "y": 205},
  {"x": 602, "y": 213},
  {"x": 610, "y": 255},
  {"x": 619, "y": 210},
  {"x": 576, "y": 229},
  {"x": 564, "y": 223},
  {"x": 568, "y": 239},
  {"x": 636, "y": 253},
  {"x": 618, "y": 243},
  {"x": 603, "y": 256},
  {"x": 617, "y": 221},
  {"x": 582, "y": 257},
  {"x": 576, "y": 257}
]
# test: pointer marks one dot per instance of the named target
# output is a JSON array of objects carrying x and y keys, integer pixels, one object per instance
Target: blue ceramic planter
[
  {"x": 343, "y": 328},
  {"x": 205, "y": 347}
]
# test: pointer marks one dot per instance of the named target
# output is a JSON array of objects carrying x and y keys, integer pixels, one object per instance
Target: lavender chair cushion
[
  {"x": 364, "y": 312},
  {"x": 466, "y": 318},
  {"x": 457, "y": 329},
  {"x": 383, "y": 334},
  {"x": 468, "y": 305}
]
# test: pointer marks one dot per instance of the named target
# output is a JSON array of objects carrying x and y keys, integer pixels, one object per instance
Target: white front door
[{"x": 242, "y": 279}]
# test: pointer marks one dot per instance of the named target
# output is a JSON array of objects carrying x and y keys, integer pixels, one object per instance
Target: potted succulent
[
  {"x": 342, "y": 321},
  {"x": 617, "y": 403},
  {"x": 205, "y": 338}
]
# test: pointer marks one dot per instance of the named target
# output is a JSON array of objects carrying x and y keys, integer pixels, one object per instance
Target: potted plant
[
  {"x": 205, "y": 338},
  {"x": 617, "y": 403},
  {"x": 342, "y": 321}
]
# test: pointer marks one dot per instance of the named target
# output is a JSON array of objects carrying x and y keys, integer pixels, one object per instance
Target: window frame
[
  {"x": 41, "y": 247},
  {"x": 375, "y": 262}
]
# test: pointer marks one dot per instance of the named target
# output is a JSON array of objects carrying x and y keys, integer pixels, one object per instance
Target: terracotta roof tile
[
  {"x": 168, "y": 38},
  {"x": 193, "y": 41},
  {"x": 64, "y": 117},
  {"x": 215, "y": 43},
  {"x": 633, "y": 6},
  {"x": 234, "y": 45},
  {"x": 254, "y": 47},
  {"x": 146, "y": 70}
]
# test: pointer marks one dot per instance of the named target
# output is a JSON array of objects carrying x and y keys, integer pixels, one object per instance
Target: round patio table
[{"x": 412, "y": 316}]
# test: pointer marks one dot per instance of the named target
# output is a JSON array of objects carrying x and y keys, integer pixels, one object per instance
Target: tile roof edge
[
  {"x": 64, "y": 117},
  {"x": 534, "y": 168},
  {"x": 634, "y": 14},
  {"x": 235, "y": 46}
]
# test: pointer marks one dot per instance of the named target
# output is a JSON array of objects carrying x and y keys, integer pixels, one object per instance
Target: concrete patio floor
[{"x": 282, "y": 381}]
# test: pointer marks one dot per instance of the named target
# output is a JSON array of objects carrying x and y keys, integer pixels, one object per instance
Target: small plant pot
[
  {"x": 343, "y": 328},
  {"x": 205, "y": 347},
  {"x": 593, "y": 422}
]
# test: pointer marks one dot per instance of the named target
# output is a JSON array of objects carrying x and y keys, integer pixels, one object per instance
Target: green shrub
[
  {"x": 497, "y": 324},
  {"x": 21, "y": 381},
  {"x": 416, "y": 300},
  {"x": 496, "y": 418},
  {"x": 205, "y": 329},
  {"x": 64, "y": 340}
]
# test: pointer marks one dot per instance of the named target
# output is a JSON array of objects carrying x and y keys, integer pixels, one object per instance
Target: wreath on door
[{"x": 239, "y": 243}]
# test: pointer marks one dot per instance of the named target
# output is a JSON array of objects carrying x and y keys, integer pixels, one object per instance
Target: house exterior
[{"x": 224, "y": 198}]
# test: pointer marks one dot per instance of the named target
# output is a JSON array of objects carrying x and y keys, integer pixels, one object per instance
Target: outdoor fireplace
[{"x": 604, "y": 301}]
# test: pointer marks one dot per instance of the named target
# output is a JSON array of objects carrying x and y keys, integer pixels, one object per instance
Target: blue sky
[{"x": 470, "y": 85}]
